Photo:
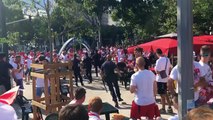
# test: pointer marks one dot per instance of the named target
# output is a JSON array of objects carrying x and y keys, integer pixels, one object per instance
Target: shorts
[
  {"x": 27, "y": 72},
  {"x": 151, "y": 111},
  {"x": 162, "y": 88},
  {"x": 19, "y": 83},
  {"x": 40, "y": 90}
]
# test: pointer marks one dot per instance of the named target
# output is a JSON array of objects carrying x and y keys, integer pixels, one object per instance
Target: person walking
[
  {"x": 96, "y": 61},
  {"x": 109, "y": 76},
  {"x": 88, "y": 66},
  {"x": 77, "y": 70}
]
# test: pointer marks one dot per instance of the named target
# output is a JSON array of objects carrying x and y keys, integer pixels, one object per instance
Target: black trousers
[
  {"x": 112, "y": 84},
  {"x": 96, "y": 69},
  {"x": 77, "y": 75},
  {"x": 89, "y": 74}
]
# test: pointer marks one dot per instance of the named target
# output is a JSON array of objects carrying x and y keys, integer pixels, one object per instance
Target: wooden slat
[
  {"x": 52, "y": 102},
  {"x": 37, "y": 66},
  {"x": 40, "y": 99},
  {"x": 46, "y": 90},
  {"x": 62, "y": 74},
  {"x": 35, "y": 117},
  {"x": 71, "y": 86},
  {"x": 34, "y": 88},
  {"x": 37, "y": 75},
  {"x": 40, "y": 105},
  {"x": 56, "y": 66}
]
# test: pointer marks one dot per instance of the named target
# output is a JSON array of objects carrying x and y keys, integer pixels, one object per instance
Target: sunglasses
[{"x": 204, "y": 55}]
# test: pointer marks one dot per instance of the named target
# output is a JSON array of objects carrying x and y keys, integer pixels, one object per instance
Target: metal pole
[
  {"x": 99, "y": 37},
  {"x": 3, "y": 32},
  {"x": 185, "y": 57},
  {"x": 49, "y": 31}
]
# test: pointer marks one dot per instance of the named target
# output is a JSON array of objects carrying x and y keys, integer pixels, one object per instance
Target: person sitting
[
  {"x": 79, "y": 96},
  {"x": 95, "y": 106},
  {"x": 200, "y": 113},
  {"x": 73, "y": 112}
]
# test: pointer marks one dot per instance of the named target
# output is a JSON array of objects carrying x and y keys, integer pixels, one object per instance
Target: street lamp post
[
  {"x": 3, "y": 32},
  {"x": 185, "y": 57}
]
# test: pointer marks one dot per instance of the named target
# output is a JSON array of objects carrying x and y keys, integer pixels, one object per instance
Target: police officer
[
  {"x": 96, "y": 61},
  {"x": 111, "y": 79},
  {"x": 88, "y": 66},
  {"x": 76, "y": 68}
]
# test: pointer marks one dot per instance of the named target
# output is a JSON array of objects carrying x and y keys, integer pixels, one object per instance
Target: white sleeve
[
  {"x": 157, "y": 66},
  {"x": 174, "y": 74},
  {"x": 202, "y": 71},
  {"x": 133, "y": 80},
  {"x": 14, "y": 65}
]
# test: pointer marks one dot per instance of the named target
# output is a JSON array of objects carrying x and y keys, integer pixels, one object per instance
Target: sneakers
[
  {"x": 169, "y": 110},
  {"x": 116, "y": 105},
  {"x": 120, "y": 99},
  {"x": 162, "y": 111}
]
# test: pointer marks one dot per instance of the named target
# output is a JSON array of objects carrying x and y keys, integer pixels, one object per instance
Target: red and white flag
[{"x": 9, "y": 96}]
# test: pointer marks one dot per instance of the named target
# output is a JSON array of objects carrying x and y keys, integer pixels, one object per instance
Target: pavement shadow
[{"x": 95, "y": 88}]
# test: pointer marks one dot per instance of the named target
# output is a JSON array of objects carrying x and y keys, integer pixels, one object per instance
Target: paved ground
[{"x": 97, "y": 89}]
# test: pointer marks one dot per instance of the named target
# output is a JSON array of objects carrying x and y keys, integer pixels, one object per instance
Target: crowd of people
[{"x": 148, "y": 74}]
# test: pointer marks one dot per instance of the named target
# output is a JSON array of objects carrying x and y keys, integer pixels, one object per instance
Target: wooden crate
[{"x": 53, "y": 72}]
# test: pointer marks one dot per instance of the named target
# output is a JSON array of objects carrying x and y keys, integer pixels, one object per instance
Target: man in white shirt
[
  {"x": 18, "y": 74},
  {"x": 163, "y": 63},
  {"x": 198, "y": 81},
  {"x": 64, "y": 57},
  {"x": 7, "y": 112},
  {"x": 205, "y": 53},
  {"x": 143, "y": 85}
]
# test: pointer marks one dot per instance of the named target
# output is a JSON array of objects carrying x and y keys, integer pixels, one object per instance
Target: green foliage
[
  {"x": 139, "y": 20},
  {"x": 12, "y": 39}
]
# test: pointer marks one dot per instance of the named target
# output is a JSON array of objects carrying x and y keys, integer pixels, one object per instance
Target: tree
[{"x": 139, "y": 17}]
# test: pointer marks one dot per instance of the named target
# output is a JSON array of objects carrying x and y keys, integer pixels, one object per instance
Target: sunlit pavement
[{"x": 97, "y": 89}]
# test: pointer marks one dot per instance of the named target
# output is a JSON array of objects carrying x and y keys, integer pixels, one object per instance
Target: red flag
[{"x": 9, "y": 96}]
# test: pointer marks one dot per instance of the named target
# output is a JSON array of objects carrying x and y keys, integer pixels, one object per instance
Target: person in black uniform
[
  {"x": 4, "y": 72},
  {"x": 88, "y": 66},
  {"x": 111, "y": 79},
  {"x": 96, "y": 61},
  {"x": 77, "y": 70}
]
